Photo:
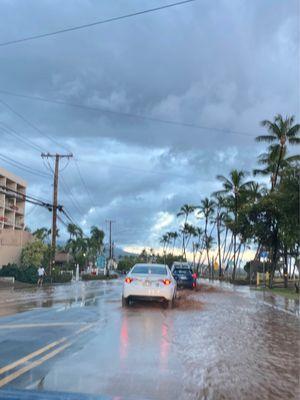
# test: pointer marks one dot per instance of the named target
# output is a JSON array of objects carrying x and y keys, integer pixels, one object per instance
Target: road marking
[
  {"x": 34, "y": 364},
  {"x": 31, "y": 355},
  {"x": 40, "y": 361},
  {"x": 40, "y": 325}
]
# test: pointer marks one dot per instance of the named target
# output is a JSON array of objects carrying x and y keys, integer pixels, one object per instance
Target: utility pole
[
  {"x": 57, "y": 158},
  {"x": 110, "y": 222}
]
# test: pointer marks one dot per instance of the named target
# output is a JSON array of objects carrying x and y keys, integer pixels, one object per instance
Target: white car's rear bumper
[{"x": 132, "y": 291}]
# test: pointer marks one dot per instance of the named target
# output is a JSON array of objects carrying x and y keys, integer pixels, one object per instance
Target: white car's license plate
[{"x": 147, "y": 283}]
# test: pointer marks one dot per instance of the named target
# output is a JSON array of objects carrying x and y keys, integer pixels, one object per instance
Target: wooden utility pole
[
  {"x": 57, "y": 158},
  {"x": 110, "y": 239},
  {"x": 110, "y": 222}
]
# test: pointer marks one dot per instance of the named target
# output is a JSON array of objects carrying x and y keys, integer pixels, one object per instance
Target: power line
[
  {"x": 32, "y": 211},
  {"x": 62, "y": 221},
  {"x": 140, "y": 170},
  {"x": 26, "y": 197},
  {"x": 22, "y": 166},
  {"x": 10, "y": 131},
  {"x": 32, "y": 125},
  {"x": 89, "y": 25},
  {"x": 68, "y": 192},
  {"x": 71, "y": 219},
  {"x": 128, "y": 115},
  {"x": 84, "y": 184}
]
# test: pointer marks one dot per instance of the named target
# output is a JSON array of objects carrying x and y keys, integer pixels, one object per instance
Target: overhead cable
[{"x": 91, "y": 24}]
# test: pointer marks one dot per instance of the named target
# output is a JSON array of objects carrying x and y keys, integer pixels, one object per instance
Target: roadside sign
[
  {"x": 264, "y": 254},
  {"x": 101, "y": 262}
]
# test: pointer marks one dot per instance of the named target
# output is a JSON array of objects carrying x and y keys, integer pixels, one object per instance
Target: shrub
[
  {"x": 58, "y": 277},
  {"x": 10, "y": 270},
  {"x": 27, "y": 275}
]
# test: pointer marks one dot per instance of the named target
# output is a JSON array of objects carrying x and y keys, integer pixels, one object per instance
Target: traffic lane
[
  {"x": 228, "y": 347},
  {"x": 45, "y": 330},
  {"x": 129, "y": 358},
  {"x": 17, "y": 300},
  {"x": 25, "y": 331}
]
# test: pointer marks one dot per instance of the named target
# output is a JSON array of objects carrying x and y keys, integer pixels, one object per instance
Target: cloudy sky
[{"x": 218, "y": 67}]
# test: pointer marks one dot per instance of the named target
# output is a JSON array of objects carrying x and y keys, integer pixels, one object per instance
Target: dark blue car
[{"x": 184, "y": 276}]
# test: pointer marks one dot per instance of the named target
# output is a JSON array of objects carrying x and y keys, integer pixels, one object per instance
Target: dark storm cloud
[{"x": 226, "y": 64}]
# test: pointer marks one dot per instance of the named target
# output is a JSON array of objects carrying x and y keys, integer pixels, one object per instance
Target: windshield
[
  {"x": 182, "y": 271},
  {"x": 149, "y": 270}
]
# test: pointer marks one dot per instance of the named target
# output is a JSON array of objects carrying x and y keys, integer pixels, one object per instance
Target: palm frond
[
  {"x": 296, "y": 157},
  {"x": 265, "y": 138},
  {"x": 272, "y": 127},
  {"x": 294, "y": 140},
  {"x": 261, "y": 171}
]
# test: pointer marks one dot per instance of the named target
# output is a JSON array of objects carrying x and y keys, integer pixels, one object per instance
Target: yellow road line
[
  {"x": 39, "y": 325},
  {"x": 34, "y": 364},
  {"x": 40, "y": 351},
  {"x": 31, "y": 355}
]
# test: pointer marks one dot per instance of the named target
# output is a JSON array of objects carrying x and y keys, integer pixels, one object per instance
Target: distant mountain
[{"x": 118, "y": 252}]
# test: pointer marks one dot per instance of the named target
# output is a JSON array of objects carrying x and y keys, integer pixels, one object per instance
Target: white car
[{"x": 149, "y": 282}]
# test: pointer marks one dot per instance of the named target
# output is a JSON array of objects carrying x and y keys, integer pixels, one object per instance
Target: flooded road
[{"x": 218, "y": 343}]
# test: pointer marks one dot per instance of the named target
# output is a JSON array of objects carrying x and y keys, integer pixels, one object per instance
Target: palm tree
[
  {"x": 42, "y": 233},
  {"x": 78, "y": 248},
  {"x": 74, "y": 230},
  {"x": 220, "y": 216},
  {"x": 96, "y": 241},
  {"x": 208, "y": 245},
  {"x": 207, "y": 208},
  {"x": 187, "y": 231},
  {"x": 281, "y": 131},
  {"x": 234, "y": 187},
  {"x": 270, "y": 162},
  {"x": 185, "y": 211},
  {"x": 165, "y": 240},
  {"x": 173, "y": 236}
]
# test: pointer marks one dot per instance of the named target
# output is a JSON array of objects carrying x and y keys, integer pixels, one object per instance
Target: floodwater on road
[{"x": 217, "y": 343}]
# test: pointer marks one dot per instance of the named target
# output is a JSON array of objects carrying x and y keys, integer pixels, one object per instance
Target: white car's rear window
[{"x": 145, "y": 269}]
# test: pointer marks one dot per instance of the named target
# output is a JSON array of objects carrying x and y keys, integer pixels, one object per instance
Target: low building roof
[{"x": 63, "y": 256}]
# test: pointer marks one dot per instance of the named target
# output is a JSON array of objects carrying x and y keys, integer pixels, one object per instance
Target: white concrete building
[
  {"x": 12, "y": 210},
  {"x": 12, "y": 218}
]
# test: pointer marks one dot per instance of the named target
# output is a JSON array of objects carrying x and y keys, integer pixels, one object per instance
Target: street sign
[
  {"x": 264, "y": 254},
  {"x": 101, "y": 262}
]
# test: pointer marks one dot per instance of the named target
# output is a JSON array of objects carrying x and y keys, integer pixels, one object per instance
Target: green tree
[
  {"x": 281, "y": 131},
  {"x": 74, "y": 231},
  {"x": 95, "y": 242},
  {"x": 185, "y": 211},
  {"x": 42, "y": 234},
  {"x": 235, "y": 189},
  {"x": 33, "y": 254},
  {"x": 207, "y": 209},
  {"x": 187, "y": 231}
]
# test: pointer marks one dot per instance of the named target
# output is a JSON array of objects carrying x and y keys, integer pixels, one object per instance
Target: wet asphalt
[{"x": 217, "y": 343}]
